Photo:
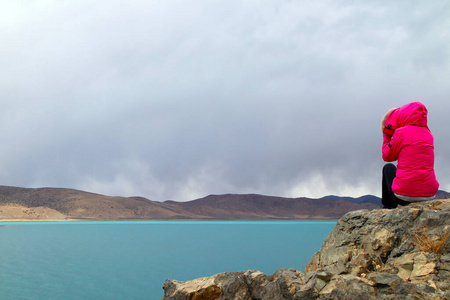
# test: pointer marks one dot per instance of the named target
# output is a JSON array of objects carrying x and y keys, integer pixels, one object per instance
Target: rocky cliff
[{"x": 377, "y": 254}]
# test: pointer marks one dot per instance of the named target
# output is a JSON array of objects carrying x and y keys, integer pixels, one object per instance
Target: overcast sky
[{"x": 181, "y": 99}]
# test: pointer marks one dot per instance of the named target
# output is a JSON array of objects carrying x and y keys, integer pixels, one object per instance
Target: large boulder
[{"x": 378, "y": 254}]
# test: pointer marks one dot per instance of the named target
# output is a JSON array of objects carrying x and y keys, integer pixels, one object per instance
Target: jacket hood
[{"x": 414, "y": 113}]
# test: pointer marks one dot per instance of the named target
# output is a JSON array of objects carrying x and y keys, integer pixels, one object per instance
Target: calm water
[{"x": 131, "y": 260}]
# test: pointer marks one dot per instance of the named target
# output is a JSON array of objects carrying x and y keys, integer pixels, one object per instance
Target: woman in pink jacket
[{"x": 407, "y": 139}]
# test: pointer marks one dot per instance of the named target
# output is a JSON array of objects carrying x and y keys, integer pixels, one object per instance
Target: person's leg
[
  {"x": 403, "y": 202},
  {"x": 388, "y": 198}
]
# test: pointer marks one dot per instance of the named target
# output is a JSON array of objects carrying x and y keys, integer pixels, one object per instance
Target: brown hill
[
  {"x": 75, "y": 204},
  {"x": 58, "y": 203},
  {"x": 257, "y": 207}
]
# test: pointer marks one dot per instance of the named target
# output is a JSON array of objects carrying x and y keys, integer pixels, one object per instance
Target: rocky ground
[{"x": 378, "y": 254}]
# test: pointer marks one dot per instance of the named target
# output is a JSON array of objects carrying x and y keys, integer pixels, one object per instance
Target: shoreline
[{"x": 162, "y": 220}]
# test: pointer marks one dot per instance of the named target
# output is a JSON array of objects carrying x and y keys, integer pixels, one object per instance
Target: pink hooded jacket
[{"x": 406, "y": 138}]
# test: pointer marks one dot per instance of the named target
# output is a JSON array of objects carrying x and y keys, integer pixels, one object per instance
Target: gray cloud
[{"x": 177, "y": 100}]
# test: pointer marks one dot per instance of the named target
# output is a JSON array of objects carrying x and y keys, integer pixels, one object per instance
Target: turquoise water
[{"x": 131, "y": 260}]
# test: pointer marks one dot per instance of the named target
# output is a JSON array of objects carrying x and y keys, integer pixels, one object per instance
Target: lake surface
[{"x": 131, "y": 260}]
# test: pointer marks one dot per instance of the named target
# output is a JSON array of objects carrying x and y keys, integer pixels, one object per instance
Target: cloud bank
[{"x": 181, "y": 99}]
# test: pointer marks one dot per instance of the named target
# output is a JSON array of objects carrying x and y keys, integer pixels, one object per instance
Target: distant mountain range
[
  {"x": 363, "y": 199},
  {"x": 58, "y": 203},
  {"x": 374, "y": 199}
]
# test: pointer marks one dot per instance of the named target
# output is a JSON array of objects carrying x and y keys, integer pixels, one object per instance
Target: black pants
[{"x": 389, "y": 200}]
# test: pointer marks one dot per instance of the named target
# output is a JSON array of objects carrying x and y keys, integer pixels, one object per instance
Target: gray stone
[{"x": 384, "y": 279}]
